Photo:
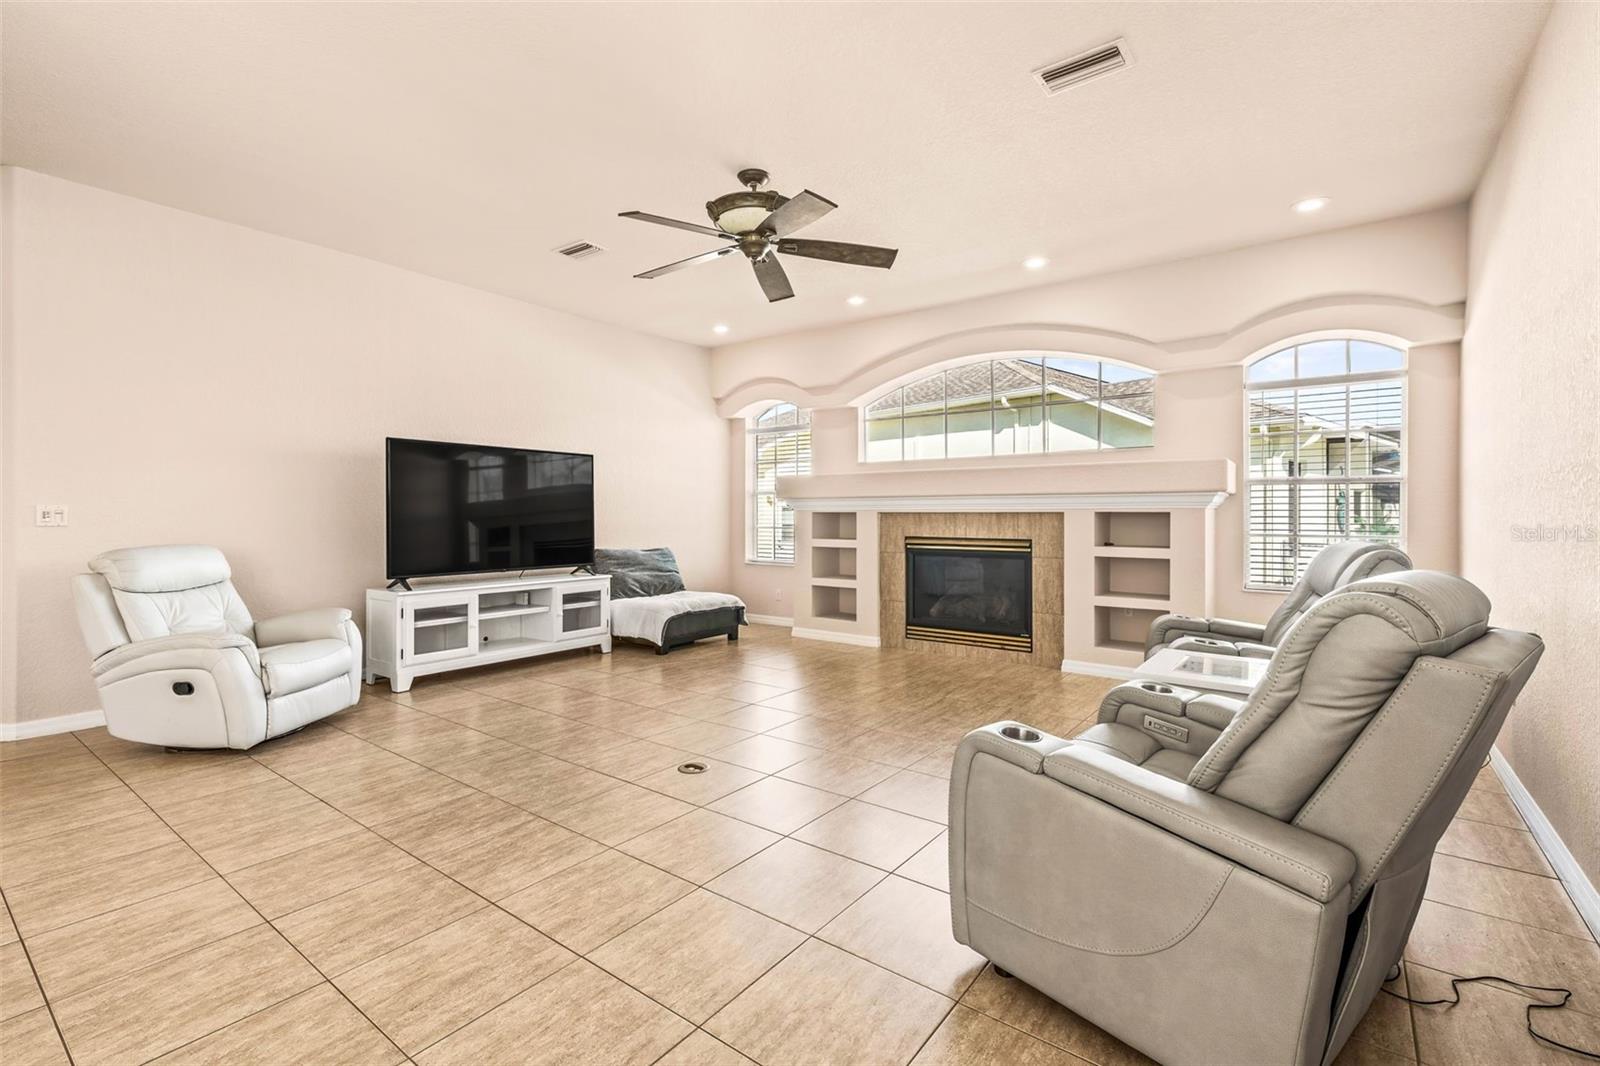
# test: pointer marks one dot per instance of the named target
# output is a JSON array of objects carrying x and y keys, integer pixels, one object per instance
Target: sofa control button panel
[
  {"x": 1160, "y": 728},
  {"x": 183, "y": 688}
]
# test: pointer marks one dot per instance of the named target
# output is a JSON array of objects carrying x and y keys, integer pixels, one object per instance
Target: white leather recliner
[{"x": 179, "y": 661}]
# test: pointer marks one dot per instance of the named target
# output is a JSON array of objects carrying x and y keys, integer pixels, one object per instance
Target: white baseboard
[
  {"x": 44, "y": 727},
  {"x": 1579, "y": 887},
  {"x": 860, "y": 640},
  {"x": 768, "y": 620},
  {"x": 1083, "y": 666}
]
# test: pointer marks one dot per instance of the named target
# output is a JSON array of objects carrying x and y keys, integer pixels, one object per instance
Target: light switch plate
[{"x": 49, "y": 514}]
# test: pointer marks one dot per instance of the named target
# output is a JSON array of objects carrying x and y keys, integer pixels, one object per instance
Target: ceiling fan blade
[
  {"x": 692, "y": 227},
  {"x": 801, "y": 210},
  {"x": 774, "y": 282},
  {"x": 839, "y": 252},
  {"x": 703, "y": 257}
]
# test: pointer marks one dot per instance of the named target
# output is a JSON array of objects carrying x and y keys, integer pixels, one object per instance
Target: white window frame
[
  {"x": 995, "y": 407},
  {"x": 800, "y": 427},
  {"x": 1402, "y": 374}
]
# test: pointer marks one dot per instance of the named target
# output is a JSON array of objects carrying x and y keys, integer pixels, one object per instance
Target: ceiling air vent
[
  {"x": 1058, "y": 77},
  {"x": 579, "y": 250}
]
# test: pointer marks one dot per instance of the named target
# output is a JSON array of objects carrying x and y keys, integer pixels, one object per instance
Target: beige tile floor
[{"x": 506, "y": 867}]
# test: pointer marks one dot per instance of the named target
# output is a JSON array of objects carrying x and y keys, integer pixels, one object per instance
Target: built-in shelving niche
[
  {"x": 1132, "y": 575},
  {"x": 833, "y": 602},
  {"x": 833, "y": 565}
]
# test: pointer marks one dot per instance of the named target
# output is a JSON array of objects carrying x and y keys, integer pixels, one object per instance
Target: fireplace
[{"x": 970, "y": 591}]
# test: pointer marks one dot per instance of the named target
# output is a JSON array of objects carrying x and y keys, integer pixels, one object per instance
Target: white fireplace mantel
[
  {"x": 1139, "y": 484},
  {"x": 1130, "y": 501}
]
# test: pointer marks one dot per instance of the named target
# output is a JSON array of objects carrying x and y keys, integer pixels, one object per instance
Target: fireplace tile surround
[{"x": 1044, "y": 530}]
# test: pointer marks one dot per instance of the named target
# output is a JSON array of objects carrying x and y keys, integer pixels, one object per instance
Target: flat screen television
[{"x": 474, "y": 508}]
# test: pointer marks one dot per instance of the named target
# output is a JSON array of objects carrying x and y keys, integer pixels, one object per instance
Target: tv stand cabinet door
[
  {"x": 438, "y": 626},
  {"x": 585, "y": 610}
]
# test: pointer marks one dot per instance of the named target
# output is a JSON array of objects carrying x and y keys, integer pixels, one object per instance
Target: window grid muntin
[
  {"x": 780, "y": 446},
  {"x": 1261, "y": 572},
  {"x": 892, "y": 408}
]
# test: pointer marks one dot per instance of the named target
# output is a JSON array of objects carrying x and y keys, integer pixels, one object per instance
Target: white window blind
[
  {"x": 1325, "y": 453},
  {"x": 780, "y": 446}
]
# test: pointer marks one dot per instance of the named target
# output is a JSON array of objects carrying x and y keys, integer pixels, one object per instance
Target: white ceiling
[{"x": 468, "y": 140}]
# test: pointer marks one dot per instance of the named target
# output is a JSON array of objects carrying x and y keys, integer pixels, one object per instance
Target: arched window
[
  {"x": 780, "y": 445},
  {"x": 1014, "y": 404},
  {"x": 1326, "y": 463}
]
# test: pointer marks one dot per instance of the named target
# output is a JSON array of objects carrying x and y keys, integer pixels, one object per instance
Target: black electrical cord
[{"x": 1455, "y": 998}]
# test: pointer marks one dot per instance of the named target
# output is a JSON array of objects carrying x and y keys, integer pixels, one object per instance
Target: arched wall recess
[{"x": 1392, "y": 319}]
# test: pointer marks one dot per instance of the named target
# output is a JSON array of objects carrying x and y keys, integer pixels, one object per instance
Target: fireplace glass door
[{"x": 970, "y": 591}]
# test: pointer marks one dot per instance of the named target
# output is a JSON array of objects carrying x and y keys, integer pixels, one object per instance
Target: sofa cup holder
[
  {"x": 1021, "y": 733},
  {"x": 1160, "y": 690}
]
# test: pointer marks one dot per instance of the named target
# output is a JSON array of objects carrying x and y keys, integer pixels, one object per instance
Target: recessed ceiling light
[
  {"x": 1311, "y": 204},
  {"x": 856, "y": 301},
  {"x": 720, "y": 327},
  {"x": 1035, "y": 262}
]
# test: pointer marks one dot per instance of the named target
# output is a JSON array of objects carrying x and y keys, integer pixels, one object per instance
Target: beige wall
[
  {"x": 170, "y": 378},
  {"x": 1405, "y": 276},
  {"x": 1530, "y": 390},
  {"x": 1196, "y": 321}
]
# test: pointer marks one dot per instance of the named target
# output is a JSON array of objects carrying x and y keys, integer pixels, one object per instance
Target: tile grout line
[
  {"x": 942, "y": 1019},
  {"x": 1509, "y": 921},
  {"x": 708, "y": 755},
  {"x": 314, "y": 967},
  {"x": 699, "y": 886},
  {"x": 807, "y": 936},
  {"x": 490, "y": 903},
  {"x": 699, "y": 806},
  {"x": 883, "y": 874},
  {"x": 34, "y": 970},
  {"x": 1411, "y": 1008},
  {"x": 1017, "y": 1028},
  {"x": 1496, "y": 865},
  {"x": 853, "y": 797}
]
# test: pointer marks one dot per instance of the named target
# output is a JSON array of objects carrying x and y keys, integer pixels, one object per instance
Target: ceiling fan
[{"x": 758, "y": 223}]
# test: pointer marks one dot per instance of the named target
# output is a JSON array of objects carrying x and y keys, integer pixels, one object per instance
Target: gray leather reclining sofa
[
  {"x": 1216, "y": 881},
  {"x": 1330, "y": 569}
]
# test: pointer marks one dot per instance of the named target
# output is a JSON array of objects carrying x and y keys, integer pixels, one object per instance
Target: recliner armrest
[
  {"x": 1204, "y": 645},
  {"x": 1147, "y": 695},
  {"x": 1254, "y": 632},
  {"x": 1213, "y": 710},
  {"x": 1295, "y": 858},
  {"x": 1169, "y": 627},
  {"x": 322, "y": 623},
  {"x": 1010, "y": 741},
  {"x": 197, "y": 642}
]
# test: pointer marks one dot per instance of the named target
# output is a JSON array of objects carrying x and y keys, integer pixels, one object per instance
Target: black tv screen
[{"x": 467, "y": 508}]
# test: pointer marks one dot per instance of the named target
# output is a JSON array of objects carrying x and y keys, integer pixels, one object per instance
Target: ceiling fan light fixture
[
  {"x": 741, "y": 219},
  {"x": 742, "y": 212}
]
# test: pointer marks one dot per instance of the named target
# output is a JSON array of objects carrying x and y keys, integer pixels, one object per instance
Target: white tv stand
[{"x": 434, "y": 628}]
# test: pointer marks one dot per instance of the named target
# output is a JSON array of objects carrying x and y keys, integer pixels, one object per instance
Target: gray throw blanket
[{"x": 639, "y": 571}]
